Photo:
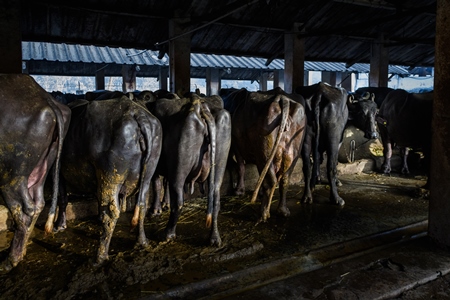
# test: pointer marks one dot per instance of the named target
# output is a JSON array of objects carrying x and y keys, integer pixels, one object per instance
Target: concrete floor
[{"x": 373, "y": 248}]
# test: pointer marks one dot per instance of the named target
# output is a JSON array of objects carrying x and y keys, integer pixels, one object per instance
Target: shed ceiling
[{"x": 334, "y": 30}]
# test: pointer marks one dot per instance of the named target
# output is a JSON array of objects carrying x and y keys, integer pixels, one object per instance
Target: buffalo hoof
[
  {"x": 155, "y": 213},
  {"x": 307, "y": 200},
  {"x": 338, "y": 182},
  {"x": 239, "y": 191},
  {"x": 338, "y": 201},
  {"x": 405, "y": 171},
  {"x": 283, "y": 211},
  {"x": 215, "y": 241},
  {"x": 100, "y": 261},
  {"x": 59, "y": 228},
  {"x": 6, "y": 266},
  {"x": 170, "y": 237},
  {"x": 386, "y": 170},
  {"x": 142, "y": 242}
]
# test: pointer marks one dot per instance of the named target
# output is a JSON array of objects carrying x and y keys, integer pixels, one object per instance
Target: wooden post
[
  {"x": 347, "y": 81},
  {"x": 379, "y": 64},
  {"x": 278, "y": 79},
  {"x": 163, "y": 74},
  {"x": 100, "y": 79},
  {"x": 179, "y": 57},
  {"x": 329, "y": 77},
  {"x": 439, "y": 209},
  {"x": 11, "y": 37},
  {"x": 263, "y": 81},
  {"x": 128, "y": 78},
  {"x": 294, "y": 59},
  {"x": 212, "y": 81}
]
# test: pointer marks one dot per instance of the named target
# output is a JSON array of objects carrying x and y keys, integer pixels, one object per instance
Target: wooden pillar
[
  {"x": 306, "y": 80},
  {"x": 379, "y": 64},
  {"x": 100, "y": 79},
  {"x": 263, "y": 81},
  {"x": 11, "y": 37},
  {"x": 163, "y": 74},
  {"x": 212, "y": 81},
  {"x": 347, "y": 81},
  {"x": 329, "y": 77},
  {"x": 278, "y": 79},
  {"x": 128, "y": 78},
  {"x": 439, "y": 209},
  {"x": 294, "y": 59},
  {"x": 179, "y": 57}
]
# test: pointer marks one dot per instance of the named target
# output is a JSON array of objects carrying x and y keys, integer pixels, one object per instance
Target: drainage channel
[{"x": 232, "y": 283}]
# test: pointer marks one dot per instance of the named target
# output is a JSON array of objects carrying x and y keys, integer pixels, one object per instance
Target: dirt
[{"x": 60, "y": 266}]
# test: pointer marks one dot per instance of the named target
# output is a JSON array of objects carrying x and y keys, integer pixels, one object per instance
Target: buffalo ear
[{"x": 372, "y": 97}]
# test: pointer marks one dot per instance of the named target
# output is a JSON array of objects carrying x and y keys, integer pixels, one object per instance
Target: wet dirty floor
[{"x": 59, "y": 266}]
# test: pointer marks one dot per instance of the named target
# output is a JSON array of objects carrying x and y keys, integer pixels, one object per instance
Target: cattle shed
[{"x": 283, "y": 35}]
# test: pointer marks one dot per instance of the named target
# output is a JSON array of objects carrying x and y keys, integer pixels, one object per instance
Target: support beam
[
  {"x": 278, "y": 79},
  {"x": 162, "y": 78},
  {"x": 345, "y": 80},
  {"x": 128, "y": 78},
  {"x": 379, "y": 64},
  {"x": 294, "y": 59},
  {"x": 329, "y": 77},
  {"x": 100, "y": 79},
  {"x": 439, "y": 209},
  {"x": 11, "y": 37},
  {"x": 179, "y": 57},
  {"x": 263, "y": 81},
  {"x": 212, "y": 81}
]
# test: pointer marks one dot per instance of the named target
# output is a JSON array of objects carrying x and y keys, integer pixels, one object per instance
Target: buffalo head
[{"x": 362, "y": 112}]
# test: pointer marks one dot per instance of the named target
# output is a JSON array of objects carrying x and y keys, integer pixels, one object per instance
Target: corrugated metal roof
[
  {"x": 106, "y": 55},
  {"x": 333, "y": 31}
]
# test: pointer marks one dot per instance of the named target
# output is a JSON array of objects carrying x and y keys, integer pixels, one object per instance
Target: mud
[{"x": 60, "y": 266}]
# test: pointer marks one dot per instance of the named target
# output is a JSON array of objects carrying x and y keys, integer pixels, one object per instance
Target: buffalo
[
  {"x": 111, "y": 150},
  {"x": 328, "y": 111},
  {"x": 267, "y": 130},
  {"x": 404, "y": 120},
  {"x": 197, "y": 137},
  {"x": 32, "y": 129}
]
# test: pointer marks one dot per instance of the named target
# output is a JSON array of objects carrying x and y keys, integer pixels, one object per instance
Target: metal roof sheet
[{"x": 54, "y": 52}]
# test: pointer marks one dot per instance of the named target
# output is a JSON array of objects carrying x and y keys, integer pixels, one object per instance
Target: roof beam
[
  {"x": 371, "y": 23},
  {"x": 370, "y": 3}
]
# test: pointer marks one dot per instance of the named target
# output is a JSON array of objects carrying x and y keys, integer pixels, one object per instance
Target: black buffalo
[
  {"x": 328, "y": 111},
  {"x": 379, "y": 93},
  {"x": 404, "y": 120},
  {"x": 267, "y": 130},
  {"x": 327, "y": 115},
  {"x": 32, "y": 129},
  {"x": 362, "y": 112},
  {"x": 195, "y": 149},
  {"x": 111, "y": 150}
]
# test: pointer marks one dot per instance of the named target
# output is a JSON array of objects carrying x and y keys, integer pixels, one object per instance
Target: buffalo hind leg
[
  {"x": 307, "y": 193},
  {"x": 283, "y": 210},
  {"x": 110, "y": 215},
  {"x": 268, "y": 187},
  {"x": 157, "y": 187},
  {"x": 63, "y": 200},
  {"x": 176, "y": 205},
  {"x": 215, "y": 239},
  {"x": 24, "y": 224},
  {"x": 332, "y": 176},
  {"x": 404, "y": 153},
  {"x": 240, "y": 187}
]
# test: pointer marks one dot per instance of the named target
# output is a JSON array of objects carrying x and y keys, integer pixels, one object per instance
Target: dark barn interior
[{"x": 337, "y": 248}]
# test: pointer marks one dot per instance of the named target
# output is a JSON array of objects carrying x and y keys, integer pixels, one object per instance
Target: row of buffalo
[{"x": 128, "y": 145}]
